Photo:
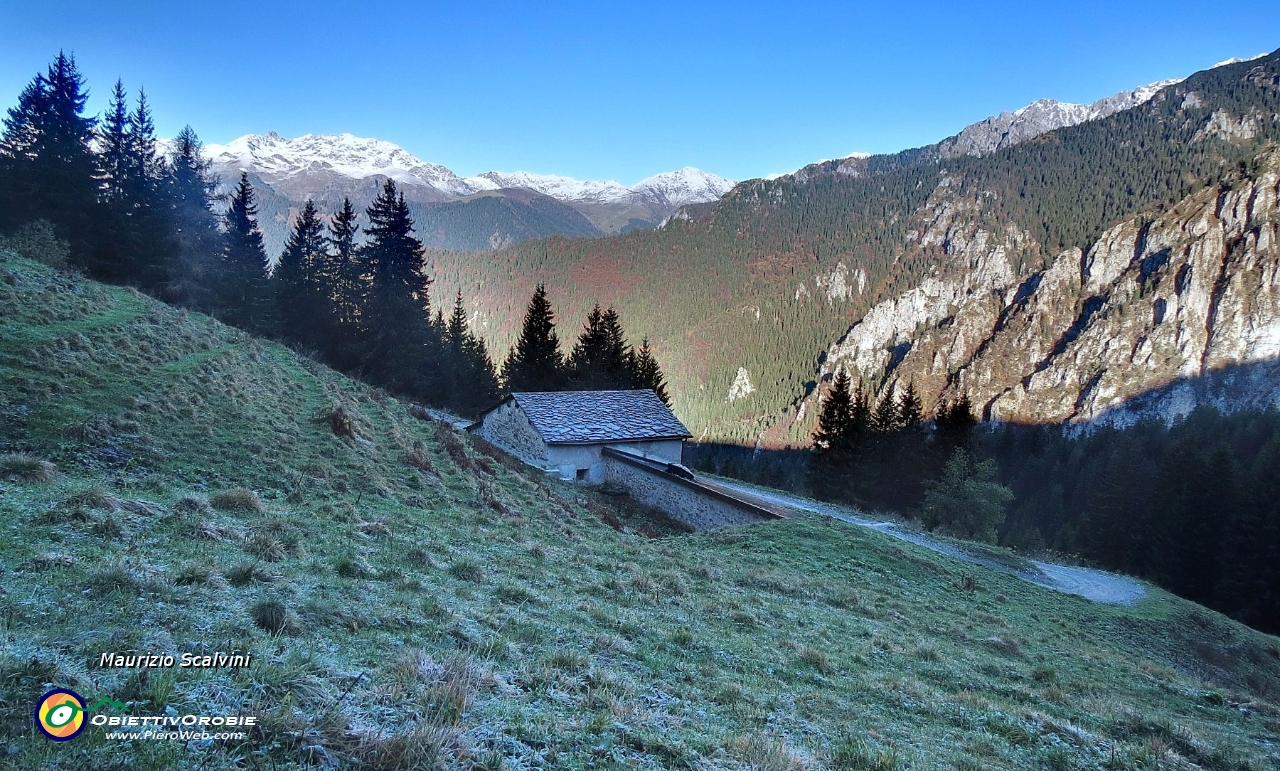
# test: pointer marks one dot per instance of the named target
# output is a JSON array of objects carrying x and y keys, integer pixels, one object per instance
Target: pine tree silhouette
[
  {"x": 297, "y": 283},
  {"x": 835, "y": 423},
  {"x": 242, "y": 283},
  {"x": 535, "y": 362},
  {"x": 403, "y": 347},
  {"x": 47, "y": 169},
  {"x": 193, "y": 271},
  {"x": 647, "y": 374}
]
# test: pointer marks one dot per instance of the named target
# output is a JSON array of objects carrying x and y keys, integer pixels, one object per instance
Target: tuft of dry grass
[
  {"x": 202, "y": 573},
  {"x": 237, "y": 499},
  {"x": 265, "y": 547},
  {"x": 453, "y": 447},
  {"x": 271, "y": 616},
  {"x": 212, "y": 531},
  {"x": 339, "y": 421},
  {"x": 376, "y": 528},
  {"x": 815, "y": 658},
  {"x": 245, "y": 573},
  {"x": 190, "y": 504},
  {"x": 763, "y": 754},
  {"x": 467, "y": 570},
  {"x": 94, "y": 497},
  {"x": 27, "y": 469},
  {"x": 419, "y": 460},
  {"x": 51, "y": 559}
]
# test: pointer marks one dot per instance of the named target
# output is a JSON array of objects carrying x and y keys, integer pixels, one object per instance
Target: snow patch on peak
[
  {"x": 684, "y": 186},
  {"x": 1237, "y": 60},
  {"x": 347, "y": 155},
  {"x": 559, "y": 187},
  {"x": 344, "y": 154}
]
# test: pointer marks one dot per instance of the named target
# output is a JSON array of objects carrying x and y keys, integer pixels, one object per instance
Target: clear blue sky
[{"x": 620, "y": 90}]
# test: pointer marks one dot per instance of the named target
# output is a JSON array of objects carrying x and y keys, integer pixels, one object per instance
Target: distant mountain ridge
[
  {"x": 1013, "y": 127},
  {"x": 277, "y": 160},
  {"x": 476, "y": 213}
]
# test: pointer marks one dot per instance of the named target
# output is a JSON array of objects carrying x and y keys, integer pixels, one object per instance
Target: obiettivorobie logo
[{"x": 60, "y": 713}]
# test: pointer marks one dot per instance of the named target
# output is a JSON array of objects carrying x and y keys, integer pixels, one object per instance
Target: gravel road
[{"x": 1095, "y": 585}]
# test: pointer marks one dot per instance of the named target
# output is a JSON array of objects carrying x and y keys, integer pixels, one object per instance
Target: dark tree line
[
  {"x": 131, "y": 216},
  {"x": 600, "y": 359},
  {"x": 881, "y": 455},
  {"x": 1194, "y": 506}
]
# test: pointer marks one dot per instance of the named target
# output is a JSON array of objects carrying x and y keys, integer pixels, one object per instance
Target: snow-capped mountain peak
[
  {"x": 1010, "y": 128},
  {"x": 559, "y": 187},
  {"x": 277, "y": 159},
  {"x": 685, "y": 186}
]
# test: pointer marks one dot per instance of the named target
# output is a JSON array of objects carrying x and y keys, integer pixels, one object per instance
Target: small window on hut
[{"x": 582, "y": 474}]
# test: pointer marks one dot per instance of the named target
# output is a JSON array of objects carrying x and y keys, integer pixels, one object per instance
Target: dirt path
[{"x": 1095, "y": 585}]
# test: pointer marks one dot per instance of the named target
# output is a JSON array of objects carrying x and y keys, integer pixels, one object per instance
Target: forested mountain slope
[{"x": 757, "y": 290}]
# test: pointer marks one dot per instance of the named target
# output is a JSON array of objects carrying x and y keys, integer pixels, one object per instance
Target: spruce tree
[
  {"x": 910, "y": 410},
  {"x": 113, "y": 248},
  {"x": 472, "y": 384},
  {"x": 859, "y": 414},
  {"x": 954, "y": 423},
  {"x": 402, "y": 351},
  {"x": 645, "y": 372},
  {"x": 345, "y": 282},
  {"x": 47, "y": 169},
  {"x": 145, "y": 166},
  {"x": 834, "y": 423},
  {"x": 113, "y": 145},
  {"x": 242, "y": 280},
  {"x": 150, "y": 230},
  {"x": 190, "y": 189},
  {"x": 885, "y": 418},
  {"x": 600, "y": 358},
  {"x": 300, "y": 306},
  {"x": 535, "y": 362}
]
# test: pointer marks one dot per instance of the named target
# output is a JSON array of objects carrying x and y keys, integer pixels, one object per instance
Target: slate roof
[{"x": 588, "y": 417}]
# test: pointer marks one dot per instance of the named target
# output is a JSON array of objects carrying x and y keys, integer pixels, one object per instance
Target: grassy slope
[{"x": 491, "y": 616}]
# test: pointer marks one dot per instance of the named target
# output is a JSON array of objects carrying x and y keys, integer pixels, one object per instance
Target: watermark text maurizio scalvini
[{"x": 219, "y": 660}]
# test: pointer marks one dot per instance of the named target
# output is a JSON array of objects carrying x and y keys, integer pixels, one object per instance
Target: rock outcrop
[{"x": 1164, "y": 312}]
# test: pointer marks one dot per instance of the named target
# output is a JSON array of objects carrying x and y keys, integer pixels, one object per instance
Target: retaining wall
[{"x": 686, "y": 500}]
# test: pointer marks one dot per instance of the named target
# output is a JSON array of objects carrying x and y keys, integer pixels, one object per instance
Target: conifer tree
[
  {"x": 190, "y": 188},
  {"x": 114, "y": 145},
  {"x": 296, "y": 280},
  {"x": 403, "y": 351},
  {"x": 145, "y": 165},
  {"x": 954, "y": 422},
  {"x": 910, "y": 410},
  {"x": 835, "y": 422},
  {"x": 885, "y": 418},
  {"x": 600, "y": 358},
  {"x": 113, "y": 247},
  {"x": 472, "y": 384},
  {"x": 345, "y": 282},
  {"x": 242, "y": 283},
  {"x": 859, "y": 414},
  {"x": 47, "y": 170},
  {"x": 535, "y": 362},
  {"x": 647, "y": 374}
]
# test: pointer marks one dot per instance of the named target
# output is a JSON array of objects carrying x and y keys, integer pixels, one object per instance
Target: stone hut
[{"x": 565, "y": 432}]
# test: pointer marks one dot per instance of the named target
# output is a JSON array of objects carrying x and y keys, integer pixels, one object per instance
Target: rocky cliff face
[{"x": 1164, "y": 312}]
